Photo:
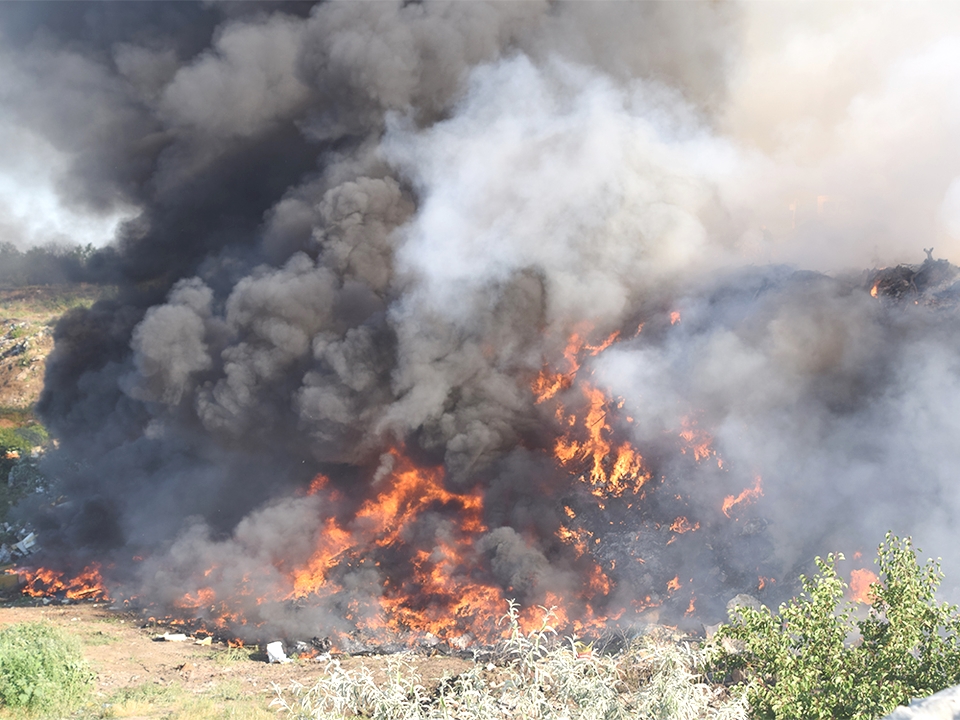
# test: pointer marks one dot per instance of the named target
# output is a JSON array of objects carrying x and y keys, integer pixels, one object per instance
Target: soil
[{"x": 127, "y": 655}]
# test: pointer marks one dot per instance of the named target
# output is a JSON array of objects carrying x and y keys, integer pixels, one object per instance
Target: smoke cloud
[{"x": 357, "y": 231}]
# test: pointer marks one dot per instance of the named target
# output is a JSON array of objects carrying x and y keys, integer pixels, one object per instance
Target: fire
[
  {"x": 674, "y": 317},
  {"x": 42, "y": 582},
  {"x": 203, "y": 597},
  {"x": 692, "y": 607},
  {"x": 576, "y": 538},
  {"x": 682, "y": 525},
  {"x": 439, "y": 593},
  {"x": 748, "y": 495},
  {"x": 549, "y": 382},
  {"x": 609, "y": 470},
  {"x": 860, "y": 586},
  {"x": 696, "y": 439},
  {"x": 674, "y": 584},
  {"x": 873, "y": 290}
]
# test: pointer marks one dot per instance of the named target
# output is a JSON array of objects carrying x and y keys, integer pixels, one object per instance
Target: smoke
[{"x": 353, "y": 228}]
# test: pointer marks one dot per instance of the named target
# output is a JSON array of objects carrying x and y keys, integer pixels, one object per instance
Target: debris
[
  {"x": 26, "y": 544},
  {"x": 208, "y": 640},
  {"x": 9, "y": 580},
  {"x": 740, "y": 601},
  {"x": 429, "y": 640},
  {"x": 461, "y": 642},
  {"x": 944, "y": 705},
  {"x": 275, "y": 653},
  {"x": 173, "y": 637},
  {"x": 18, "y": 349}
]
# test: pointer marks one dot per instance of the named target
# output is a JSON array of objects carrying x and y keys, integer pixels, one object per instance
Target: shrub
[
  {"x": 42, "y": 669},
  {"x": 813, "y": 660},
  {"x": 535, "y": 677}
]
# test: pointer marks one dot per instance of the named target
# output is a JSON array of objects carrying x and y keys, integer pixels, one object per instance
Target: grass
[
  {"x": 233, "y": 655},
  {"x": 224, "y": 701},
  {"x": 54, "y": 300},
  {"x": 42, "y": 669}
]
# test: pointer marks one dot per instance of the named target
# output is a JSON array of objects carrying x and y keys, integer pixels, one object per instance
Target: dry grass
[{"x": 534, "y": 677}]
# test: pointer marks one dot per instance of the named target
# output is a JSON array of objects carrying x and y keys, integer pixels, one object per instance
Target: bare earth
[{"x": 171, "y": 678}]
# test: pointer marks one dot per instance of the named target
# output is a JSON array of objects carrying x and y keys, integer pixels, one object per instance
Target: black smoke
[{"x": 365, "y": 226}]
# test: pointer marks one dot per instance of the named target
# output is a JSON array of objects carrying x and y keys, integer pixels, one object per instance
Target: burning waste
[{"x": 423, "y": 308}]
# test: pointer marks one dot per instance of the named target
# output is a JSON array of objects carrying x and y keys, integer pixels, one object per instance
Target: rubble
[
  {"x": 740, "y": 601},
  {"x": 944, "y": 705},
  {"x": 26, "y": 545},
  {"x": 275, "y": 653},
  {"x": 934, "y": 282}
]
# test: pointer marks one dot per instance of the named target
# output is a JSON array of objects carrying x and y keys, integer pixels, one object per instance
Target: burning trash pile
[{"x": 424, "y": 308}]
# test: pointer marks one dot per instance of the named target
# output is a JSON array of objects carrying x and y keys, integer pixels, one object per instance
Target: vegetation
[
  {"x": 42, "y": 669},
  {"x": 222, "y": 701},
  {"x": 813, "y": 659},
  {"x": 534, "y": 677},
  {"x": 53, "y": 264}
]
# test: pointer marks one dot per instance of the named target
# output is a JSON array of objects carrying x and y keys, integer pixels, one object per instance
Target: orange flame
[
  {"x": 696, "y": 439},
  {"x": 681, "y": 525},
  {"x": 674, "y": 317},
  {"x": 88, "y": 585},
  {"x": 748, "y": 495},
  {"x": 860, "y": 582},
  {"x": 610, "y": 470},
  {"x": 549, "y": 382}
]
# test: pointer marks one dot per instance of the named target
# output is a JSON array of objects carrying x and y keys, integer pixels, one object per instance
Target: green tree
[{"x": 813, "y": 660}]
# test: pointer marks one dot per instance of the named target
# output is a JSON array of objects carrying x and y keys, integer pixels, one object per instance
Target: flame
[
  {"x": 682, "y": 525},
  {"x": 204, "y": 596},
  {"x": 549, "y": 382},
  {"x": 42, "y": 582},
  {"x": 438, "y": 593},
  {"x": 416, "y": 541},
  {"x": 748, "y": 495},
  {"x": 317, "y": 484},
  {"x": 691, "y": 608},
  {"x": 609, "y": 470},
  {"x": 874, "y": 289},
  {"x": 860, "y": 582},
  {"x": 696, "y": 439},
  {"x": 674, "y": 317},
  {"x": 576, "y": 538}
]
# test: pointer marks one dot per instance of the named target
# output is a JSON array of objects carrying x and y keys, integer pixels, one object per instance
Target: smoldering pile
[{"x": 427, "y": 306}]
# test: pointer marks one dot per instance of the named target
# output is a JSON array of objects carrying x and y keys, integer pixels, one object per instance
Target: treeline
[{"x": 53, "y": 265}]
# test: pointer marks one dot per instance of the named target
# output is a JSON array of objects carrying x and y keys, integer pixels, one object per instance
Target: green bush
[
  {"x": 814, "y": 660},
  {"x": 42, "y": 669}
]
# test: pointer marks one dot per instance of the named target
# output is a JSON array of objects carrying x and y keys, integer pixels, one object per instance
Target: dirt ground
[{"x": 150, "y": 678}]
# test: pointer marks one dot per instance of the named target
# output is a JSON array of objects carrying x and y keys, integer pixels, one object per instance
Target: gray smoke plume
[{"x": 354, "y": 229}]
